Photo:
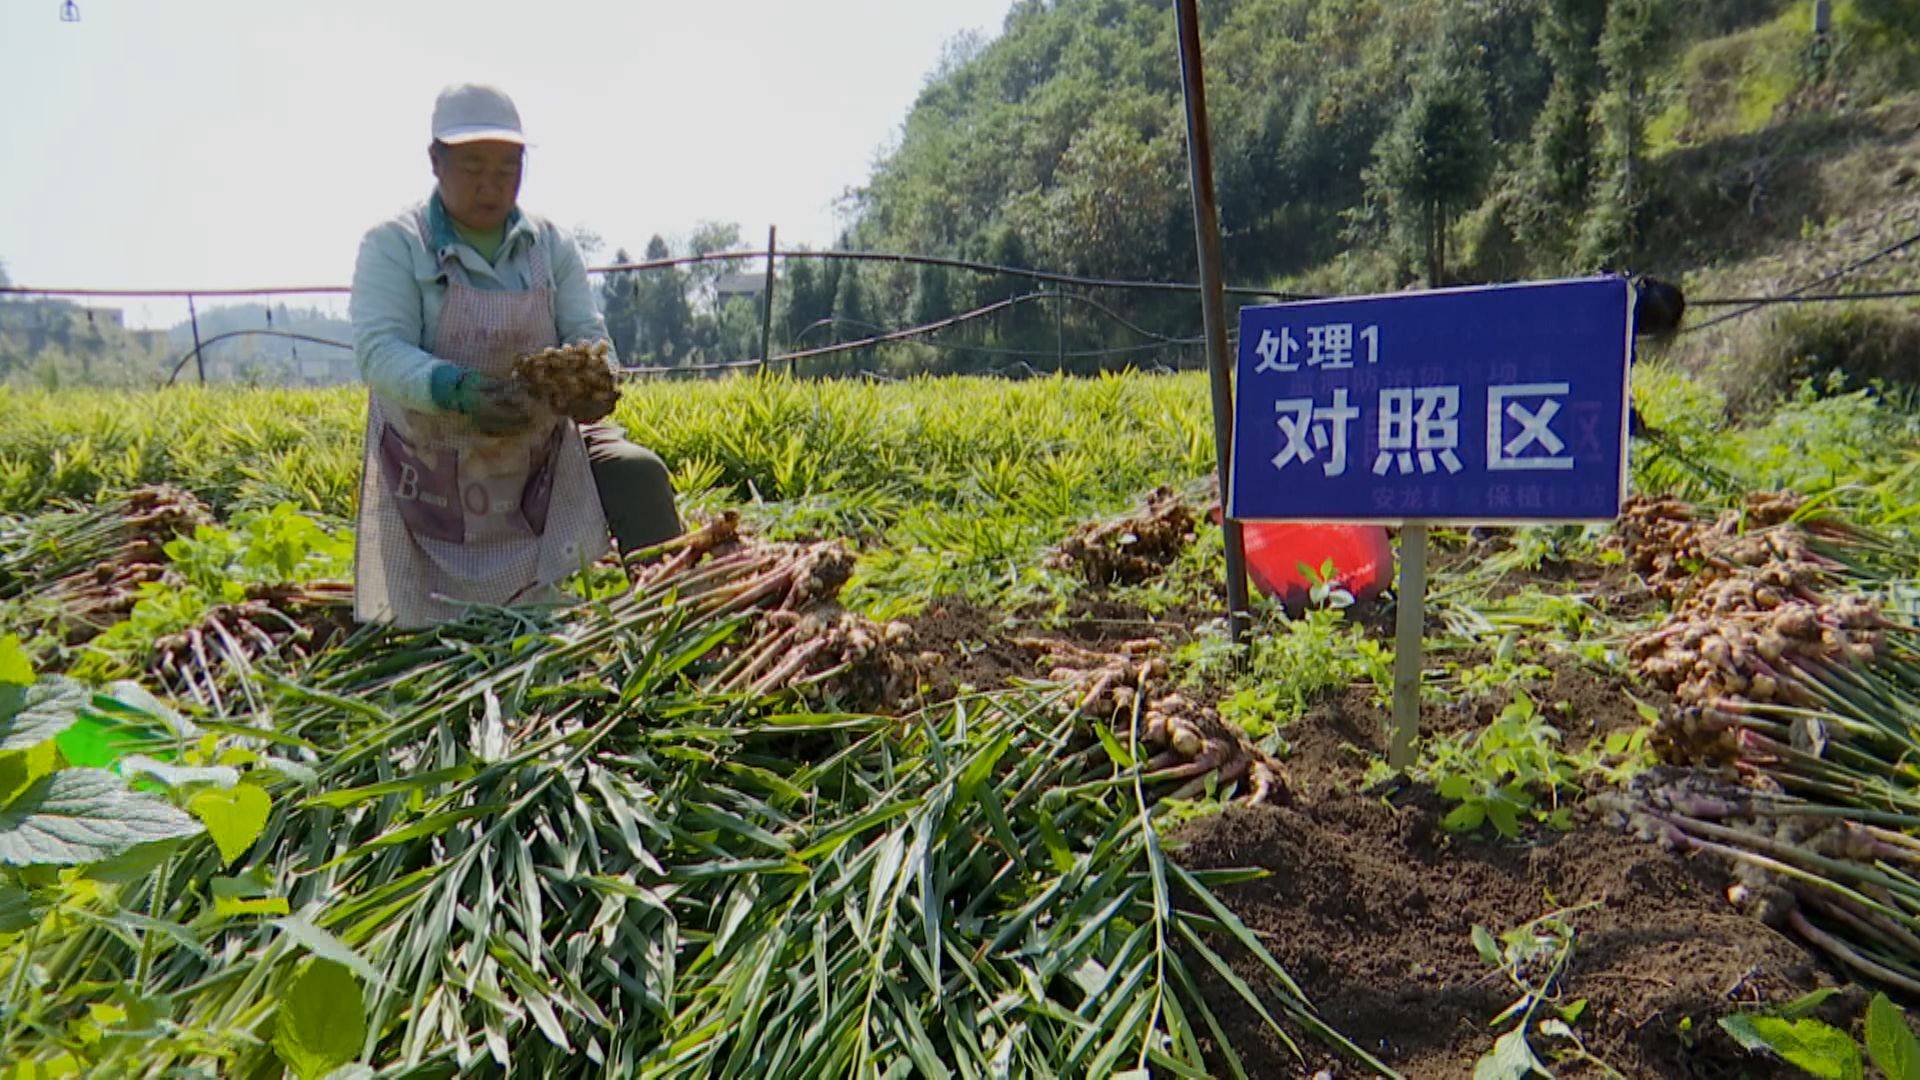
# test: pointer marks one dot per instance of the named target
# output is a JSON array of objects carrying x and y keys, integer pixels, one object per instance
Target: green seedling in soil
[
  {"x": 1819, "y": 1049},
  {"x": 1511, "y": 769},
  {"x": 1529, "y": 548},
  {"x": 1295, "y": 661},
  {"x": 1256, "y": 710},
  {"x": 1533, "y": 956},
  {"x": 1505, "y": 669},
  {"x": 1515, "y": 770},
  {"x": 1324, "y": 588}
]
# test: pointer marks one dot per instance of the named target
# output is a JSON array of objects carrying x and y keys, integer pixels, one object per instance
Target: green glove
[{"x": 496, "y": 406}]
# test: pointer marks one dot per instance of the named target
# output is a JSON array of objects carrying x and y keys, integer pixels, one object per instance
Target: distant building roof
[{"x": 740, "y": 284}]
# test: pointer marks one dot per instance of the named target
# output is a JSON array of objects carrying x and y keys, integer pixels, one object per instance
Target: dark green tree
[
  {"x": 1558, "y": 176},
  {"x": 805, "y": 296},
  {"x": 932, "y": 294},
  {"x": 1636, "y": 39},
  {"x": 619, "y": 305},
  {"x": 1434, "y": 162},
  {"x": 664, "y": 320},
  {"x": 852, "y": 316}
]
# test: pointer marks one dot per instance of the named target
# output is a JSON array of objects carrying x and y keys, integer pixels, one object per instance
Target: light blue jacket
[{"x": 400, "y": 285}]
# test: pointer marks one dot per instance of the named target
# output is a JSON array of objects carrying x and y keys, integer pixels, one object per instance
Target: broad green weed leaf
[
  {"x": 1510, "y": 1059},
  {"x": 83, "y": 815},
  {"x": 97, "y": 741},
  {"x": 1505, "y": 818},
  {"x": 235, "y": 818},
  {"x": 1890, "y": 1042},
  {"x": 1466, "y": 817},
  {"x": 1556, "y": 1029},
  {"x": 1819, "y": 1049},
  {"x": 31, "y": 716},
  {"x": 321, "y": 1021},
  {"x": 15, "y": 668},
  {"x": 17, "y": 909},
  {"x": 22, "y": 767}
]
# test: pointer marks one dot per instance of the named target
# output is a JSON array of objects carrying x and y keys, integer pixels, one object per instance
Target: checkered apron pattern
[{"x": 450, "y": 516}]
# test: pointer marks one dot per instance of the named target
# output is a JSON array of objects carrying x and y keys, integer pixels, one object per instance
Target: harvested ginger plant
[
  {"x": 95, "y": 559},
  {"x": 1187, "y": 742},
  {"x": 1756, "y": 621},
  {"x": 284, "y": 624},
  {"x": 1130, "y": 549},
  {"x": 799, "y": 641},
  {"x": 573, "y": 380},
  {"x": 796, "y": 639},
  {"x": 1795, "y": 705}
]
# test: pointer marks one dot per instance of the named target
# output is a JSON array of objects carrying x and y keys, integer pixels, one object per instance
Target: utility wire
[
  {"x": 1814, "y": 298},
  {"x": 972, "y": 265},
  {"x": 715, "y": 256},
  {"x": 883, "y": 336},
  {"x": 989, "y": 350},
  {"x": 1794, "y": 295},
  {"x": 202, "y": 347}
]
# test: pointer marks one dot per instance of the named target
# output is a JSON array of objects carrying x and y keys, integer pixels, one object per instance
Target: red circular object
[{"x": 1362, "y": 557}]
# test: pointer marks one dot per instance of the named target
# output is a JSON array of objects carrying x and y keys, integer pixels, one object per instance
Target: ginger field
[{"x": 925, "y": 752}]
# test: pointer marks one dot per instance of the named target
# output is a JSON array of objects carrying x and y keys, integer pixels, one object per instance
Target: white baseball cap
[{"x": 471, "y": 112}]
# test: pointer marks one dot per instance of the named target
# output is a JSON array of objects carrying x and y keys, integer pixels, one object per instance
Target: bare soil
[{"x": 1370, "y": 904}]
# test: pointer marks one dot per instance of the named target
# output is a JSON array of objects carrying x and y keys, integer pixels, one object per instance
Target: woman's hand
[{"x": 496, "y": 406}]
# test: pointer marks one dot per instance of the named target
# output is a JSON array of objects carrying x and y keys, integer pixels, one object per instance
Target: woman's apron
[{"x": 449, "y": 516}]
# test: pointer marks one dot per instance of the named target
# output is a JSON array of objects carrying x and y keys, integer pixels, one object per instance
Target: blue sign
[{"x": 1503, "y": 403}]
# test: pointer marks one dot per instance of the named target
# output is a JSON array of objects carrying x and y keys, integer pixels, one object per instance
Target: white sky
[{"x": 208, "y": 143}]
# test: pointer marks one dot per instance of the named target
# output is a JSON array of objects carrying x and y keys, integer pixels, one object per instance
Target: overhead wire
[
  {"x": 1746, "y": 304},
  {"x": 1795, "y": 294}
]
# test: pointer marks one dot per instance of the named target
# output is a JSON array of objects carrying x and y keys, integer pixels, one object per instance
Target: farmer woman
[{"x": 470, "y": 491}]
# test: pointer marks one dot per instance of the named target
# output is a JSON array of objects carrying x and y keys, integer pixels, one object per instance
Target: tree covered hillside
[{"x": 1359, "y": 143}]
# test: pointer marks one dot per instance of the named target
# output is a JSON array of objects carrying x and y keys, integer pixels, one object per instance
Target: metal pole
[
  {"x": 766, "y": 307},
  {"x": 1206, "y": 233},
  {"x": 199, "y": 357},
  {"x": 1409, "y": 623},
  {"x": 1059, "y": 332}
]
